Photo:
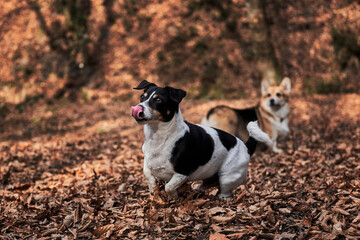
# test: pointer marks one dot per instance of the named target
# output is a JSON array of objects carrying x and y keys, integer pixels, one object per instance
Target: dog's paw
[
  {"x": 152, "y": 189},
  {"x": 224, "y": 195},
  {"x": 151, "y": 182},
  {"x": 173, "y": 195},
  {"x": 276, "y": 149}
]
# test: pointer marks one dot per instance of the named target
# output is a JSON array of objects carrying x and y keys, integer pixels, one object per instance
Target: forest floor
[{"x": 74, "y": 170}]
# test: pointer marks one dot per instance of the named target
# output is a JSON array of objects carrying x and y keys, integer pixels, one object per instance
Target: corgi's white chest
[
  {"x": 281, "y": 124},
  {"x": 282, "y": 128}
]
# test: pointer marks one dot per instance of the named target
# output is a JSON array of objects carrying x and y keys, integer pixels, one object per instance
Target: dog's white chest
[
  {"x": 159, "y": 165},
  {"x": 283, "y": 128},
  {"x": 158, "y": 148},
  {"x": 157, "y": 159}
]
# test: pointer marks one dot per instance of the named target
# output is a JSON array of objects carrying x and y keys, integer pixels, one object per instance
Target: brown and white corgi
[{"x": 272, "y": 113}]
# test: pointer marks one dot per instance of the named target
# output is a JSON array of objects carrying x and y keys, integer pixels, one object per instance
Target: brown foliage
[{"x": 86, "y": 181}]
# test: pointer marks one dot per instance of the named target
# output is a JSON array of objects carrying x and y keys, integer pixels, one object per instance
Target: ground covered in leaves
[{"x": 74, "y": 170}]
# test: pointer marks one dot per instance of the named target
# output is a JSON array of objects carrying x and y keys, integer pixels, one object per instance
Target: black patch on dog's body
[
  {"x": 228, "y": 140},
  {"x": 251, "y": 145},
  {"x": 192, "y": 150},
  {"x": 247, "y": 115}
]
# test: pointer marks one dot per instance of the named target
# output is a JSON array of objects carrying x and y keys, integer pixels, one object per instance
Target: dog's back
[{"x": 233, "y": 121}]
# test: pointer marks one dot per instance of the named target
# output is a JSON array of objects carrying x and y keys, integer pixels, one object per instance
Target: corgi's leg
[
  {"x": 275, "y": 148},
  {"x": 175, "y": 182},
  {"x": 274, "y": 143}
]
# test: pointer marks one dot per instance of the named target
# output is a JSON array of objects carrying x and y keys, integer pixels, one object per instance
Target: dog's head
[
  {"x": 156, "y": 103},
  {"x": 275, "y": 96}
]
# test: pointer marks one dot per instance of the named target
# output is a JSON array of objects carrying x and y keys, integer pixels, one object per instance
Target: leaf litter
[{"x": 84, "y": 183}]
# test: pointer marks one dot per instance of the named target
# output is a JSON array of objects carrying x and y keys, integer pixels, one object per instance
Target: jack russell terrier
[{"x": 177, "y": 151}]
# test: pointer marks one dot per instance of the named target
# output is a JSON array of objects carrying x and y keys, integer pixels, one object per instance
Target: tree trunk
[{"x": 263, "y": 47}]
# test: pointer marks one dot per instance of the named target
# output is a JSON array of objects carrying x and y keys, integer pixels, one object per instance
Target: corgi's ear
[
  {"x": 264, "y": 86},
  {"x": 286, "y": 85},
  {"x": 144, "y": 85}
]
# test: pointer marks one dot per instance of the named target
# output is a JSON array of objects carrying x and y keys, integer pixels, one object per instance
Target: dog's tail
[
  {"x": 207, "y": 120},
  {"x": 256, "y": 135}
]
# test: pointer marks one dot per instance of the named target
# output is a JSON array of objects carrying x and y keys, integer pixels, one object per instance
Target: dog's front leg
[
  {"x": 274, "y": 146},
  {"x": 150, "y": 178},
  {"x": 175, "y": 182}
]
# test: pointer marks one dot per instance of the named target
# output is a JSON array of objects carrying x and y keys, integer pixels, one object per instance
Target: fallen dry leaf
[
  {"x": 177, "y": 228},
  {"x": 217, "y": 236},
  {"x": 223, "y": 219},
  {"x": 339, "y": 210},
  {"x": 285, "y": 235}
]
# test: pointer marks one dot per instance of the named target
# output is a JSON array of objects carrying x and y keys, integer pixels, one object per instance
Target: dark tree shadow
[{"x": 74, "y": 53}]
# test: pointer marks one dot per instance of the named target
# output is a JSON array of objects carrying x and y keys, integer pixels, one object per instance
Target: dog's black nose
[{"x": 272, "y": 101}]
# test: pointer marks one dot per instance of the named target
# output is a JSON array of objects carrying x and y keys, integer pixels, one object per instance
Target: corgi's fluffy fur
[{"x": 272, "y": 113}]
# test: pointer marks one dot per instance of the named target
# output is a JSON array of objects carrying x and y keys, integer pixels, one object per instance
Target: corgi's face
[{"x": 275, "y": 96}]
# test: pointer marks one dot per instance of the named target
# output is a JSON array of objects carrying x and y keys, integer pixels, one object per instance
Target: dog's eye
[
  {"x": 142, "y": 98},
  {"x": 158, "y": 100},
  {"x": 278, "y": 94},
  {"x": 268, "y": 94}
]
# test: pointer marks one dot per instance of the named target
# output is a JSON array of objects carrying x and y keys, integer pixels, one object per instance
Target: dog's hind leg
[
  {"x": 234, "y": 171},
  {"x": 226, "y": 187},
  {"x": 227, "y": 184},
  {"x": 175, "y": 182}
]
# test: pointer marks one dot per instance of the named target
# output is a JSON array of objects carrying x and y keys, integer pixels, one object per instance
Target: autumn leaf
[{"x": 217, "y": 236}]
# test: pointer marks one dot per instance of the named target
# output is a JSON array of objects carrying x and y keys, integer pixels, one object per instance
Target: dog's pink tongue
[{"x": 135, "y": 112}]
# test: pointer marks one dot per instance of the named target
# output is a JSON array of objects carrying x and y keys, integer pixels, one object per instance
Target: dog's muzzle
[
  {"x": 274, "y": 104},
  {"x": 137, "y": 112}
]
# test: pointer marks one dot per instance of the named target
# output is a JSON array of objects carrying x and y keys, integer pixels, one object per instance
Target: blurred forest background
[{"x": 215, "y": 49}]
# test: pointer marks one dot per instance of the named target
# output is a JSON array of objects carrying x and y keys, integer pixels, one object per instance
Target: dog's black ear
[
  {"x": 176, "y": 94},
  {"x": 144, "y": 85}
]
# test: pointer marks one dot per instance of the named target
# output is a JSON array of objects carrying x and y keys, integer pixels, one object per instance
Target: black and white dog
[{"x": 177, "y": 151}]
